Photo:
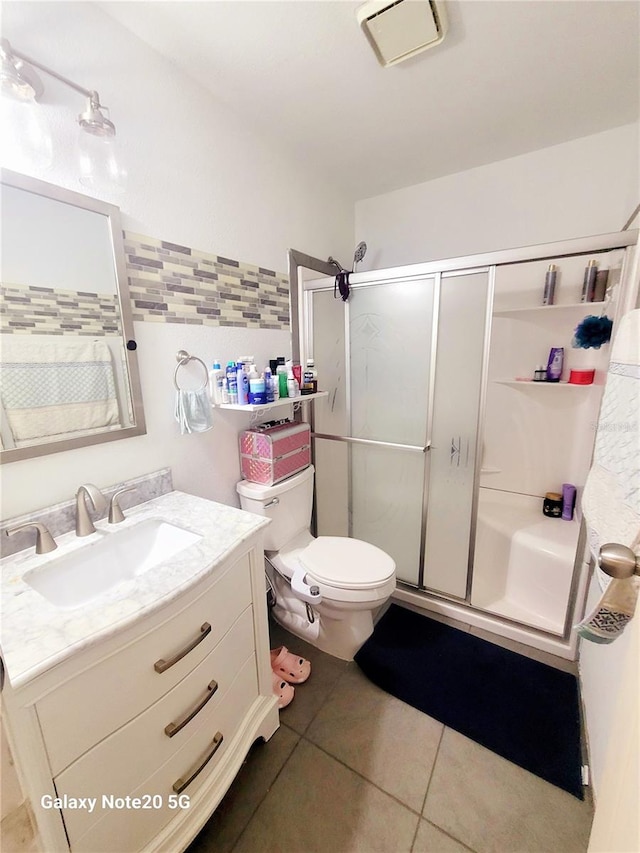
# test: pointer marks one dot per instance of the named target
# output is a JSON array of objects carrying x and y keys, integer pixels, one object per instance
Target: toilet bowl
[{"x": 326, "y": 588}]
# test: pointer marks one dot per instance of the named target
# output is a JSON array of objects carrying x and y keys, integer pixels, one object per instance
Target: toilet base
[{"x": 340, "y": 637}]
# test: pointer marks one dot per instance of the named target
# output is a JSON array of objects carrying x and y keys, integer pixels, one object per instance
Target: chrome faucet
[{"x": 84, "y": 524}]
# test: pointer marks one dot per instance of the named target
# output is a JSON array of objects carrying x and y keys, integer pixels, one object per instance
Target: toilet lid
[{"x": 342, "y": 562}]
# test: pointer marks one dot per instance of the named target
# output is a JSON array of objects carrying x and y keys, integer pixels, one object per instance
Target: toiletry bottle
[
  {"x": 600, "y": 291},
  {"x": 216, "y": 379},
  {"x": 282, "y": 377},
  {"x": 232, "y": 382},
  {"x": 225, "y": 389},
  {"x": 252, "y": 377},
  {"x": 549, "y": 285},
  {"x": 589, "y": 284},
  {"x": 297, "y": 372},
  {"x": 257, "y": 389},
  {"x": 268, "y": 385},
  {"x": 293, "y": 389},
  {"x": 554, "y": 365},
  {"x": 243, "y": 384},
  {"x": 540, "y": 373},
  {"x": 310, "y": 378},
  {"x": 568, "y": 500}
]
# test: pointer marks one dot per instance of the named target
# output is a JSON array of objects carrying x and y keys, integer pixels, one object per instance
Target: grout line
[
  {"x": 273, "y": 782},
  {"x": 448, "y": 834},
  {"x": 433, "y": 768},
  {"x": 364, "y": 778}
]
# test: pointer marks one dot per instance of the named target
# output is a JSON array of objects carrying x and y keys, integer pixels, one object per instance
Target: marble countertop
[{"x": 35, "y": 635}]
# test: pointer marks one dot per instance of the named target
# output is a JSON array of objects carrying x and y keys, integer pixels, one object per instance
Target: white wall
[
  {"x": 199, "y": 176},
  {"x": 584, "y": 187}
]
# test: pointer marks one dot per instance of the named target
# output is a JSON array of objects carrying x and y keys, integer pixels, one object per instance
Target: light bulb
[
  {"x": 25, "y": 138},
  {"x": 100, "y": 170}
]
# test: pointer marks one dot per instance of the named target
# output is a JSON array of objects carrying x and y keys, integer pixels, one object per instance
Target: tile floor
[{"x": 352, "y": 768}]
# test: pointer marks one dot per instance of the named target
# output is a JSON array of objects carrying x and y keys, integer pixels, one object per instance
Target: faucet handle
[
  {"x": 115, "y": 512},
  {"x": 44, "y": 540}
]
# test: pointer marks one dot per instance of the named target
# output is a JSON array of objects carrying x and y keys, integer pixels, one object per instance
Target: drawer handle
[
  {"x": 173, "y": 728},
  {"x": 162, "y": 665},
  {"x": 180, "y": 784}
]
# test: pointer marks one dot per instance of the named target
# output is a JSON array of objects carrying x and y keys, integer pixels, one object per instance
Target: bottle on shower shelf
[
  {"x": 568, "y": 501},
  {"x": 549, "y": 285},
  {"x": 555, "y": 363}
]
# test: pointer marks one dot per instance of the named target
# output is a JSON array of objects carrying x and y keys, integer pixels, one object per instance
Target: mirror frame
[{"x": 38, "y": 187}]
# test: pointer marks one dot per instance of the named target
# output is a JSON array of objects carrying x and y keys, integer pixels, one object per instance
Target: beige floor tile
[
  {"x": 430, "y": 839},
  {"x": 527, "y": 651},
  {"x": 320, "y": 806},
  {"x": 249, "y": 788},
  {"x": 494, "y": 806},
  {"x": 312, "y": 694},
  {"x": 390, "y": 743}
]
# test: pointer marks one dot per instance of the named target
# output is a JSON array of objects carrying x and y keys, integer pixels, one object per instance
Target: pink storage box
[{"x": 271, "y": 454}]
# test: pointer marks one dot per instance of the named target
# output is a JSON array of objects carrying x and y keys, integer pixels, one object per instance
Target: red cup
[{"x": 581, "y": 377}]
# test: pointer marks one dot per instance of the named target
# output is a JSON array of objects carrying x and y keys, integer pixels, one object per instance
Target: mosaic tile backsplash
[
  {"x": 49, "y": 311},
  {"x": 176, "y": 284},
  {"x": 168, "y": 284}
]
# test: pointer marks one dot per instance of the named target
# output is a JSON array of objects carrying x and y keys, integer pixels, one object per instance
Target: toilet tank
[{"x": 290, "y": 506}]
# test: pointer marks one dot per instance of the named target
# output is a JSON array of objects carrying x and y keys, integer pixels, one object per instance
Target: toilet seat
[{"x": 343, "y": 563}]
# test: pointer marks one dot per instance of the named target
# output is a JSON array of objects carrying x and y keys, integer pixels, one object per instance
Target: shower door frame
[{"x": 301, "y": 316}]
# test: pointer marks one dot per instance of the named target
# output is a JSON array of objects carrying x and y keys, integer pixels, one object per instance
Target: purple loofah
[{"x": 592, "y": 332}]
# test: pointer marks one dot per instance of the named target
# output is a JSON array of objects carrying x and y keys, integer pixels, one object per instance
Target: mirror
[{"x": 69, "y": 373}]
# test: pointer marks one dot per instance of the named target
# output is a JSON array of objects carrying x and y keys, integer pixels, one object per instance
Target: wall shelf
[
  {"x": 529, "y": 382},
  {"x": 573, "y": 306},
  {"x": 265, "y": 407}
]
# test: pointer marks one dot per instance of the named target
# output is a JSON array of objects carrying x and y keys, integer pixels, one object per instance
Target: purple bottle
[
  {"x": 554, "y": 365},
  {"x": 568, "y": 501}
]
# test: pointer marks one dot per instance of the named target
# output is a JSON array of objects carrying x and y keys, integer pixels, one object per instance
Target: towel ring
[{"x": 183, "y": 357}]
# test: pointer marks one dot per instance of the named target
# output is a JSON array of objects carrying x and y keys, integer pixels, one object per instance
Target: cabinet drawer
[
  {"x": 128, "y": 830},
  {"x": 121, "y": 762},
  {"x": 104, "y": 697}
]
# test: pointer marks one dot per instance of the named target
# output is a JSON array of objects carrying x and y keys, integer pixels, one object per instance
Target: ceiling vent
[{"x": 402, "y": 29}]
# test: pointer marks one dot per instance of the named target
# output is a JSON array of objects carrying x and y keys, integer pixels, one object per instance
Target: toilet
[{"x": 327, "y": 588}]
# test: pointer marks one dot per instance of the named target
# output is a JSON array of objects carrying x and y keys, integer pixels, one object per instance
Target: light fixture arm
[{"x": 10, "y": 51}]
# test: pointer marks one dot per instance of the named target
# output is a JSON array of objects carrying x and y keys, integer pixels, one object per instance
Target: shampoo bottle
[
  {"x": 589, "y": 284},
  {"x": 568, "y": 501},
  {"x": 232, "y": 382},
  {"x": 549, "y": 285},
  {"x": 216, "y": 381},
  {"x": 554, "y": 364},
  {"x": 243, "y": 384},
  {"x": 268, "y": 385}
]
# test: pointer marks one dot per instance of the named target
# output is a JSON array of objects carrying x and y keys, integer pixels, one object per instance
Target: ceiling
[{"x": 510, "y": 77}]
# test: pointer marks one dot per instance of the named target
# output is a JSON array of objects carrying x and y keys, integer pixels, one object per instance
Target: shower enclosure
[{"x": 404, "y": 444}]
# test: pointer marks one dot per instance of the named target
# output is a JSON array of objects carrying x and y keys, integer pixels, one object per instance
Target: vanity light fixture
[{"x": 98, "y": 164}]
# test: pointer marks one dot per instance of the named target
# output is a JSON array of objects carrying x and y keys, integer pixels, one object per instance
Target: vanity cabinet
[{"x": 130, "y": 743}]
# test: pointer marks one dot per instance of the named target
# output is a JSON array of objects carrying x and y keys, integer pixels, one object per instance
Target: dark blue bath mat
[{"x": 521, "y": 709}]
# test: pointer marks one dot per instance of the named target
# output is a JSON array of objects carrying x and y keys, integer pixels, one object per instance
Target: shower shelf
[
  {"x": 507, "y": 312},
  {"x": 265, "y": 407},
  {"x": 529, "y": 382}
]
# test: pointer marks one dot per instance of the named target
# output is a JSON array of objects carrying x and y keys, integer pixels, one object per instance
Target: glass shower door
[{"x": 372, "y": 484}]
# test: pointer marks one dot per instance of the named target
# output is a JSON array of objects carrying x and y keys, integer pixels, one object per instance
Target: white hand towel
[
  {"x": 611, "y": 498},
  {"x": 193, "y": 411}
]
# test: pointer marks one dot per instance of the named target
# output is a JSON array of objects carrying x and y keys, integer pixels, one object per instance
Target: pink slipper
[
  {"x": 282, "y": 690},
  {"x": 293, "y": 669}
]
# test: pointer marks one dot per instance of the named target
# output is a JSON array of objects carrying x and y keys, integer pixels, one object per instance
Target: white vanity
[{"x": 131, "y": 705}]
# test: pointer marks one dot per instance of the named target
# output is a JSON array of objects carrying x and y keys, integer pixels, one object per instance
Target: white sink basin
[{"x": 79, "y": 577}]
